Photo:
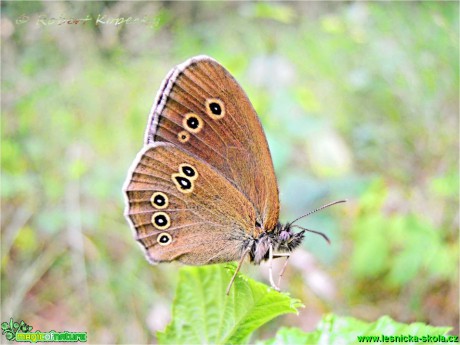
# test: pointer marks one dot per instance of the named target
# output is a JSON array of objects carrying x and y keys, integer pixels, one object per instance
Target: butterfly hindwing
[
  {"x": 181, "y": 208},
  {"x": 203, "y": 110}
]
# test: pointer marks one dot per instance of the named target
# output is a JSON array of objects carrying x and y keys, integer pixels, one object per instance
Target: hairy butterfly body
[{"x": 203, "y": 189}]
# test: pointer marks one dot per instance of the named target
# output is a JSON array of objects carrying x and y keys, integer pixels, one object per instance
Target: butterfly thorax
[{"x": 282, "y": 239}]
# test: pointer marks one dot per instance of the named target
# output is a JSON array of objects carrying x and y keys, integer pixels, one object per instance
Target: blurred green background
[{"x": 358, "y": 100}]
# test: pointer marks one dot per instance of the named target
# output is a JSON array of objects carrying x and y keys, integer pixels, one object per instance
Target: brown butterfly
[{"x": 203, "y": 189}]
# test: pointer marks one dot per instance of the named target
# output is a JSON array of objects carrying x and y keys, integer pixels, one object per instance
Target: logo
[
  {"x": 10, "y": 329},
  {"x": 22, "y": 332}
]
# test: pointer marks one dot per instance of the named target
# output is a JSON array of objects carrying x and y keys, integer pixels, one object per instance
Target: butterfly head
[
  {"x": 282, "y": 239},
  {"x": 285, "y": 239}
]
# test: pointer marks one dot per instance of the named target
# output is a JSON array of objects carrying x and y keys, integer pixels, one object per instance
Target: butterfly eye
[
  {"x": 188, "y": 171},
  {"x": 160, "y": 220},
  {"x": 183, "y": 184},
  {"x": 164, "y": 239},
  {"x": 193, "y": 123},
  {"x": 215, "y": 108},
  {"x": 183, "y": 136},
  {"x": 159, "y": 200}
]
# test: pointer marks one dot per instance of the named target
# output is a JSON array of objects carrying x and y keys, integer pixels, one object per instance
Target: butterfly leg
[
  {"x": 237, "y": 269},
  {"x": 270, "y": 268},
  {"x": 283, "y": 269}
]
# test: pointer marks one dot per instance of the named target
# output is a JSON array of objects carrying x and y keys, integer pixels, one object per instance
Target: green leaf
[
  {"x": 204, "y": 314},
  {"x": 335, "y": 329},
  {"x": 292, "y": 336}
]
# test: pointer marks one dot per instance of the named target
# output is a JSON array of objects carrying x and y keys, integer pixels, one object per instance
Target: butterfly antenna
[
  {"x": 318, "y": 209},
  {"x": 315, "y": 232}
]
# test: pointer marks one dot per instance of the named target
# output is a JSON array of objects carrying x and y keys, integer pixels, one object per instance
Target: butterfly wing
[
  {"x": 202, "y": 109},
  {"x": 181, "y": 208}
]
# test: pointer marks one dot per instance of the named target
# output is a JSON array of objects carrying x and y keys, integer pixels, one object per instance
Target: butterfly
[{"x": 203, "y": 188}]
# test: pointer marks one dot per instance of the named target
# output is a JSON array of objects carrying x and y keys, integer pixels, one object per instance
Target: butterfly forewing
[
  {"x": 182, "y": 209},
  {"x": 203, "y": 110}
]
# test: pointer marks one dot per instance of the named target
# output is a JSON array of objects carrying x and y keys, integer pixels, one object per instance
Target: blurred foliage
[
  {"x": 358, "y": 100},
  {"x": 204, "y": 314},
  {"x": 398, "y": 261},
  {"x": 334, "y": 329}
]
